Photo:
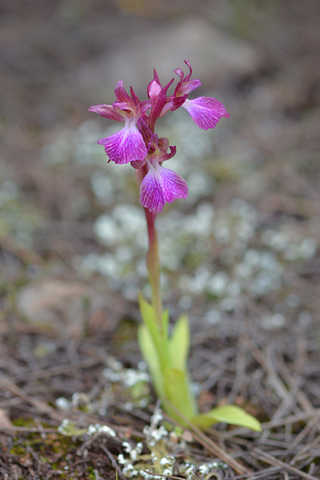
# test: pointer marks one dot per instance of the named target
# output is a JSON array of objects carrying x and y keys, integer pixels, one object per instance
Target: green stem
[{"x": 153, "y": 267}]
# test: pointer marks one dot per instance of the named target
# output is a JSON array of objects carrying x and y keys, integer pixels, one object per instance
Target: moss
[
  {"x": 23, "y": 422},
  {"x": 18, "y": 450}
]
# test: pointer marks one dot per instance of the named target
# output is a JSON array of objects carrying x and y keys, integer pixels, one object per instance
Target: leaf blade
[{"x": 231, "y": 414}]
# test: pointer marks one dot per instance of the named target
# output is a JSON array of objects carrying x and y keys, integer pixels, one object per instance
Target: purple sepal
[
  {"x": 154, "y": 87},
  {"x": 177, "y": 102},
  {"x": 125, "y": 146},
  {"x": 159, "y": 186},
  {"x": 107, "y": 111},
  {"x": 145, "y": 131},
  {"x": 145, "y": 105},
  {"x": 159, "y": 104},
  {"x": 185, "y": 85},
  {"x": 121, "y": 94},
  {"x": 135, "y": 98},
  {"x": 205, "y": 111}
]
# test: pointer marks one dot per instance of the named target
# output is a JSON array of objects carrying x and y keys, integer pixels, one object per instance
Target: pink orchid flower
[
  {"x": 127, "y": 144},
  {"x": 137, "y": 143}
]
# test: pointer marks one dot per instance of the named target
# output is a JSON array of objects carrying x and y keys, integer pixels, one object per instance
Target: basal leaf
[
  {"x": 177, "y": 391},
  {"x": 228, "y": 414},
  {"x": 151, "y": 357},
  {"x": 179, "y": 343}
]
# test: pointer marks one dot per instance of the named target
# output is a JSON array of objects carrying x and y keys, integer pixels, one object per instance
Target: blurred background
[{"x": 71, "y": 226}]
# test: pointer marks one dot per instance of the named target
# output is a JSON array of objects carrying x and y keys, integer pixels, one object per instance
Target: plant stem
[{"x": 153, "y": 267}]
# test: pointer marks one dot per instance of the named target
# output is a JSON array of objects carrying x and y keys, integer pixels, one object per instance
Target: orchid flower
[
  {"x": 126, "y": 145},
  {"x": 160, "y": 185},
  {"x": 137, "y": 143}
]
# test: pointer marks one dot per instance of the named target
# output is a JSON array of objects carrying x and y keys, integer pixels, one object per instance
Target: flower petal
[
  {"x": 121, "y": 94},
  {"x": 158, "y": 105},
  {"x": 173, "y": 186},
  {"x": 107, "y": 111},
  {"x": 125, "y": 146},
  {"x": 159, "y": 186},
  {"x": 151, "y": 195},
  {"x": 205, "y": 111},
  {"x": 154, "y": 88},
  {"x": 184, "y": 87}
]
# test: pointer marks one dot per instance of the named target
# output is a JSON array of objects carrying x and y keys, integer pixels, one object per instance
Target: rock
[{"x": 69, "y": 307}]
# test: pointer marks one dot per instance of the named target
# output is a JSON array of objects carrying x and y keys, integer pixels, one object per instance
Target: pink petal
[
  {"x": 154, "y": 88},
  {"x": 125, "y": 146},
  {"x": 159, "y": 186},
  {"x": 145, "y": 105},
  {"x": 186, "y": 87},
  {"x": 205, "y": 111},
  {"x": 121, "y": 94},
  {"x": 151, "y": 195},
  {"x": 173, "y": 185},
  {"x": 106, "y": 111}
]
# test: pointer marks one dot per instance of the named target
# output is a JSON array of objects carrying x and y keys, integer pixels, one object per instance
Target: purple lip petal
[
  {"x": 159, "y": 186},
  {"x": 125, "y": 146},
  {"x": 107, "y": 111},
  {"x": 205, "y": 111},
  {"x": 173, "y": 186},
  {"x": 151, "y": 195}
]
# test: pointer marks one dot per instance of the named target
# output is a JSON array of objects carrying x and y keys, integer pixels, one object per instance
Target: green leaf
[
  {"x": 177, "y": 391},
  {"x": 148, "y": 317},
  {"x": 160, "y": 340},
  {"x": 165, "y": 323},
  {"x": 228, "y": 414},
  {"x": 179, "y": 343},
  {"x": 150, "y": 355}
]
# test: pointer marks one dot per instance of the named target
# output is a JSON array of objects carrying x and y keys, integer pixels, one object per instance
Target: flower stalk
[
  {"x": 166, "y": 355},
  {"x": 153, "y": 267}
]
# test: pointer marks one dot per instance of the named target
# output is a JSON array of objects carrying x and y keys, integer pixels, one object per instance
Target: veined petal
[
  {"x": 125, "y": 146},
  {"x": 121, "y": 94},
  {"x": 154, "y": 88},
  {"x": 145, "y": 105},
  {"x": 159, "y": 104},
  {"x": 159, "y": 186},
  {"x": 135, "y": 97},
  {"x": 205, "y": 111},
  {"x": 187, "y": 87},
  {"x": 107, "y": 111},
  {"x": 173, "y": 185}
]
